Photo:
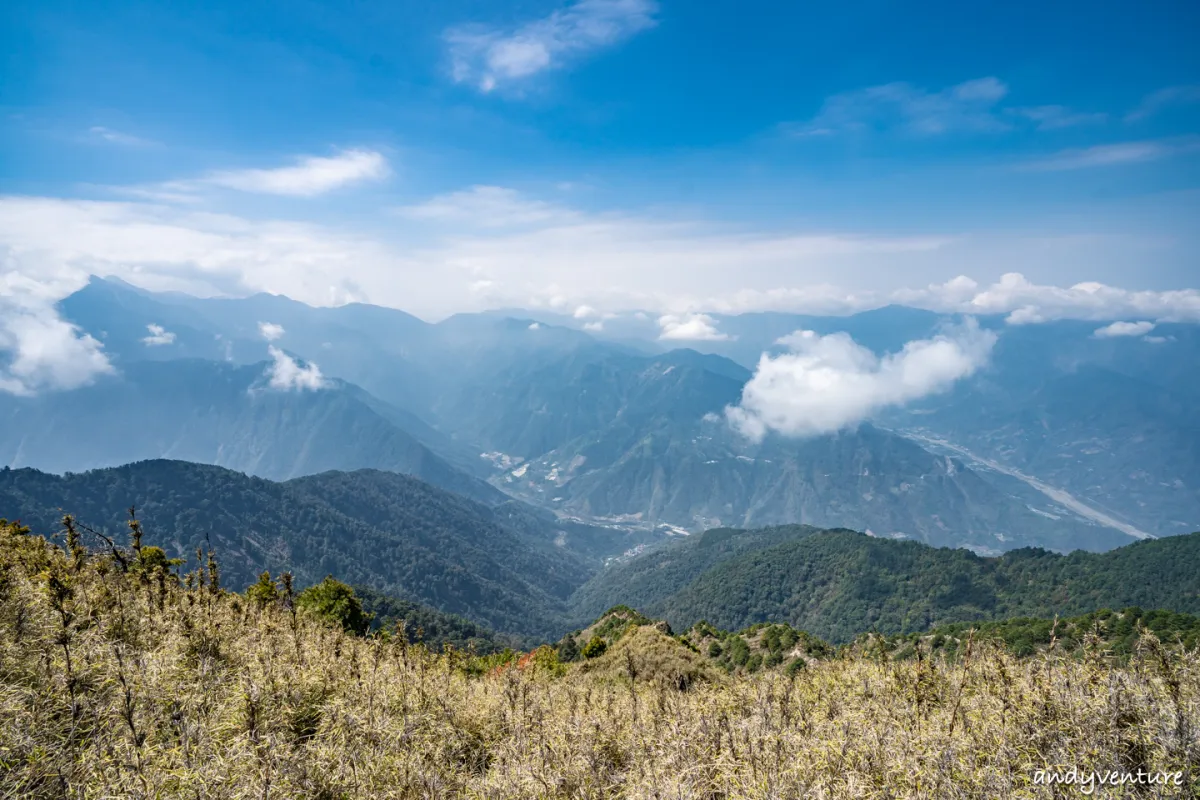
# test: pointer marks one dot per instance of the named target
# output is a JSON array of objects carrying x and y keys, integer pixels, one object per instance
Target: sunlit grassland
[{"x": 119, "y": 679}]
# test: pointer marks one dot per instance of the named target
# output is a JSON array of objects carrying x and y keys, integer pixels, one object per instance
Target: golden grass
[{"x": 118, "y": 683}]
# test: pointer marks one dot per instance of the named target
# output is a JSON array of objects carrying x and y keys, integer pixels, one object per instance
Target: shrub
[
  {"x": 335, "y": 602},
  {"x": 595, "y": 648}
]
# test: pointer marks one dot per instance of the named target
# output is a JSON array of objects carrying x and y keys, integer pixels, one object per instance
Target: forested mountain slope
[
  {"x": 837, "y": 584},
  {"x": 386, "y": 531}
]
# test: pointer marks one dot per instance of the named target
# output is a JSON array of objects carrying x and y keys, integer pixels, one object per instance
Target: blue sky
[{"x": 607, "y": 154}]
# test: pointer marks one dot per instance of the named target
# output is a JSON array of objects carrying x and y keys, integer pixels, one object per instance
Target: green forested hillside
[
  {"x": 837, "y": 584},
  {"x": 644, "y": 582},
  {"x": 382, "y": 530}
]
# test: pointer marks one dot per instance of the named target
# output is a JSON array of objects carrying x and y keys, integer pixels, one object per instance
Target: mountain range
[
  {"x": 420, "y": 553},
  {"x": 1065, "y": 440}
]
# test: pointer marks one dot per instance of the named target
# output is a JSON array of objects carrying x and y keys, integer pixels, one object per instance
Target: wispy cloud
[
  {"x": 486, "y": 207},
  {"x": 968, "y": 106},
  {"x": 1110, "y": 155},
  {"x": 308, "y": 176},
  {"x": 826, "y": 383},
  {"x": 1159, "y": 101},
  {"x": 1046, "y": 118},
  {"x": 158, "y": 336},
  {"x": 974, "y": 106},
  {"x": 100, "y": 133},
  {"x": 489, "y": 57}
]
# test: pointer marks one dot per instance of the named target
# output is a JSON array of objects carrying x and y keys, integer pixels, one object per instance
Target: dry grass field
[{"x": 119, "y": 679}]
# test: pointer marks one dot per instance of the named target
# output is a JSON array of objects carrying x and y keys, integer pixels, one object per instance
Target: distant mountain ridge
[
  {"x": 603, "y": 423},
  {"x": 656, "y": 447},
  {"x": 504, "y": 568},
  {"x": 217, "y": 413}
]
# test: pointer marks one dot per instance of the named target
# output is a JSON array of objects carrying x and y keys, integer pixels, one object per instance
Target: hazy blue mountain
[
  {"x": 698, "y": 474},
  {"x": 1112, "y": 420},
  {"x": 216, "y": 413},
  {"x": 361, "y": 344},
  {"x": 634, "y": 439},
  {"x": 1107, "y": 419},
  {"x": 528, "y": 411}
]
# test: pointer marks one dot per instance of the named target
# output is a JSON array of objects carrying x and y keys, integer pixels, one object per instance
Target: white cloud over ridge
[
  {"x": 39, "y": 351},
  {"x": 1026, "y": 302},
  {"x": 47, "y": 353},
  {"x": 158, "y": 336},
  {"x": 491, "y": 57},
  {"x": 1119, "y": 329},
  {"x": 287, "y": 374},
  {"x": 270, "y": 330},
  {"x": 689, "y": 328},
  {"x": 828, "y": 383}
]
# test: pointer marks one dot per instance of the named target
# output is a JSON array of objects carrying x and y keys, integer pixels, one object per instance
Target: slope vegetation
[
  {"x": 837, "y": 584},
  {"x": 386, "y": 531}
]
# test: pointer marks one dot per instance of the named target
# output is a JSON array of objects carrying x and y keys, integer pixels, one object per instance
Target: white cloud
[
  {"x": 1159, "y": 101},
  {"x": 490, "y": 57},
  {"x": 585, "y": 312},
  {"x": 534, "y": 326},
  {"x": 826, "y": 383},
  {"x": 969, "y": 106},
  {"x": 117, "y": 137},
  {"x": 689, "y": 327},
  {"x": 1111, "y": 155},
  {"x": 309, "y": 176},
  {"x": 158, "y": 336},
  {"x": 286, "y": 373},
  {"x": 270, "y": 330},
  {"x": 39, "y": 351},
  {"x": 1117, "y": 329},
  {"x": 47, "y": 353},
  {"x": 593, "y": 327}
]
